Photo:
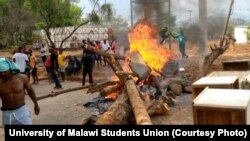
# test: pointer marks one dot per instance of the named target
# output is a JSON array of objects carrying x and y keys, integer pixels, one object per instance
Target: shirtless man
[{"x": 12, "y": 93}]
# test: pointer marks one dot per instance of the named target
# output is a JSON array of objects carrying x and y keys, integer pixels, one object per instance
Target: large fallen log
[
  {"x": 119, "y": 113},
  {"x": 52, "y": 94},
  {"x": 140, "y": 112}
]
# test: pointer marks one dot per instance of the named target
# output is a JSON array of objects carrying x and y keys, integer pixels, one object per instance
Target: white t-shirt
[
  {"x": 20, "y": 59},
  {"x": 105, "y": 47},
  {"x": 43, "y": 51}
]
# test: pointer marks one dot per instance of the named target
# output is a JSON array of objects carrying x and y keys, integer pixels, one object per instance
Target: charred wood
[{"x": 119, "y": 113}]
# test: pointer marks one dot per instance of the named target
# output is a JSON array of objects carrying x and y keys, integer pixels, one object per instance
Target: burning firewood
[
  {"x": 119, "y": 113},
  {"x": 138, "y": 66},
  {"x": 147, "y": 59},
  {"x": 108, "y": 90},
  {"x": 101, "y": 86}
]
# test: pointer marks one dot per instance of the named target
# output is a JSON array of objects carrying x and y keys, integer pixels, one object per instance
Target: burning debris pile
[{"x": 149, "y": 83}]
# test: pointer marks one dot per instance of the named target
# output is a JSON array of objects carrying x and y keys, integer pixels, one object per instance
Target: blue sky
[{"x": 180, "y": 7}]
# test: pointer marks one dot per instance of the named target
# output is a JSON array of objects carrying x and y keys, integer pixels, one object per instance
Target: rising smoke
[
  {"x": 155, "y": 10},
  {"x": 186, "y": 13}
]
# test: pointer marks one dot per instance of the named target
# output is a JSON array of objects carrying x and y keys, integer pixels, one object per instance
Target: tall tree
[{"x": 16, "y": 22}]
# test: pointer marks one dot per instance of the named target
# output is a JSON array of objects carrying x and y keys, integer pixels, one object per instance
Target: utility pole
[
  {"x": 169, "y": 22},
  {"x": 131, "y": 12},
  {"x": 203, "y": 31},
  {"x": 190, "y": 15}
]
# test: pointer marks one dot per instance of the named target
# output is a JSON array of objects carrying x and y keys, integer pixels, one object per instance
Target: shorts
[{"x": 19, "y": 116}]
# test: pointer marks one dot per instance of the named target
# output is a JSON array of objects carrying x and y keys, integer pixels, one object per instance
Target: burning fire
[{"x": 143, "y": 38}]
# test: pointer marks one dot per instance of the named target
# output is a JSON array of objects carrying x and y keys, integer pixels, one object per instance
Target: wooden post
[{"x": 140, "y": 112}]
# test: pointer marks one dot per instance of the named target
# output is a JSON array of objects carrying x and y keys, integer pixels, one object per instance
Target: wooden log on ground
[
  {"x": 158, "y": 108},
  {"x": 52, "y": 94},
  {"x": 176, "y": 88},
  {"x": 118, "y": 114},
  {"x": 101, "y": 86},
  {"x": 108, "y": 90},
  {"x": 140, "y": 112}
]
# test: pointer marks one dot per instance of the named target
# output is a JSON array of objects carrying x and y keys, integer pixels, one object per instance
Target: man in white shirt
[
  {"x": 105, "y": 47},
  {"x": 20, "y": 59},
  {"x": 43, "y": 53}
]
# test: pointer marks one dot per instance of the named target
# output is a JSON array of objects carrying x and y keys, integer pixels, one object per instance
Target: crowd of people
[{"x": 24, "y": 63}]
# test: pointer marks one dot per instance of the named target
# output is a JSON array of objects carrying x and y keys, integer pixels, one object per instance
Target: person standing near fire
[
  {"x": 12, "y": 93},
  {"x": 88, "y": 65},
  {"x": 182, "y": 43}
]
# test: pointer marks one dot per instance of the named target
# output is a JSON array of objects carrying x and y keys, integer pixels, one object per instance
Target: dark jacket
[
  {"x": 54, "y": 61},
  {"x": 88, "y": 61}
]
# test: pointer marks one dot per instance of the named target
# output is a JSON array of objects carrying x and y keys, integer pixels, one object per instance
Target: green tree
[{"x": 16, "y": 23}]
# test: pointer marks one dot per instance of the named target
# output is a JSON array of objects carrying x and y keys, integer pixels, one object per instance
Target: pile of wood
[{"x": 140, "y": 94}]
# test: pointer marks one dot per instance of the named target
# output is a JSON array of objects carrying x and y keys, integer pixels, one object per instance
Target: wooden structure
[
  {"x": 243, "y": 77},
  {"x": 222, "y": 106},
  {"x": 214, "y": 82},
  {"x": 240, "y": 65}
]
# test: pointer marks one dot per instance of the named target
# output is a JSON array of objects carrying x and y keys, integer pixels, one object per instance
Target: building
[
  {"x": 82, "y": 33},
  {"x": 241, "y": 34}
]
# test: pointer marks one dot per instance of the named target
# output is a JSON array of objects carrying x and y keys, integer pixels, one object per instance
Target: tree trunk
[{"x": 216, "y": 52}]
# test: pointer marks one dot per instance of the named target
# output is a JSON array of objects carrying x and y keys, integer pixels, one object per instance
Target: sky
[
  {"x": 182, "y": 9},
  {"x": 122, "y": 7}
]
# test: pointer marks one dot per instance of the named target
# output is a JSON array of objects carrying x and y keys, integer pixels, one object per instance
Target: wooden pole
[
  {"x": 52, "y": 94},
  {"x": 140, "y": 112}
]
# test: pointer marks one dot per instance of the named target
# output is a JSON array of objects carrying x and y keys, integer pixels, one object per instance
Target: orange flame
[{"x": 143, "y": 38}]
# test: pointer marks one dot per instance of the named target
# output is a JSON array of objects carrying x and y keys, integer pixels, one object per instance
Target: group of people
[
  {"x": 27, "y": 63},
  {"x": 15, "y": 74}
]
